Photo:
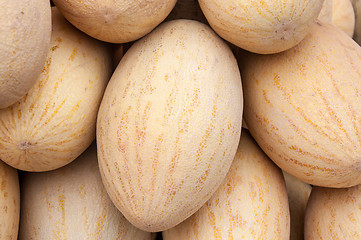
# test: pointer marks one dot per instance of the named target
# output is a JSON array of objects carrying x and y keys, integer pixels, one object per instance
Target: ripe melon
[
  {"x": 169, "y": 124},
  {"x": 251, "y": 202},
  {"x": 72, "y": 203},
  {"x": 25, "y": 29},
  {"x": 55, "y": 121},
  {"x": 116, "y": 21},
  {"x": 303, "y": 107},
  {"x": 265, "y": 27},
  {"x": 333, "y": 213}
]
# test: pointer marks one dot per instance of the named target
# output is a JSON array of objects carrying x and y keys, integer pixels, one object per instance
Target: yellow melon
[
  {"x": 333, "y": 213},
  {"x": 25, "y": 29},
  {"x": 116, "y": 21},
  {"x": 303, "y": 107},
  {"x": 169, "y": 124},
  {"x": 251, "y": 202},
  {"x": 55, "y": 121},
  {"x": 265, "y": 27},
  {"x": 72, "y": 203}
]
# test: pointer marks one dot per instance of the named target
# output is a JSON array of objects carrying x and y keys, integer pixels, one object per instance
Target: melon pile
[{"x": 180, "y": 119}]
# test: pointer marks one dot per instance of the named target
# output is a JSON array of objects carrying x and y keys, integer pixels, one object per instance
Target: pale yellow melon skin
[
  {"x": 333, "y": 213},
  {"x": 303, "y": 107},
  {"x": 251, "y": 202},
  {"x": 341, "y": 14},
  {"x": 72, "y": 203},
  {"x": 116, "y": 21},
  {"x": 264, "y": 27},
  {"x": 25, "y": 29},
  {"x": 169, "y": 124},
  {"x": 55, "y": 121},
  {"x": 298, "y": 193},
  {"x": 9, "y": 202}
]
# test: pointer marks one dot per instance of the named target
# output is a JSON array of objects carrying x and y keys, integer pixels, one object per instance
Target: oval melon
[
  {"x": 264, "y": 27},
  {"x": 116, "y": 21},
  {"x": 303, "y": 107},
  {"x": 251, "y": 202},
  {"x": 72, "y": 203},
  {"x": 169, "y": 124},
  {"x": 333, "y": 213},
  {"x": 25, "y": 29},
  {"x": 55, "y": 121}
]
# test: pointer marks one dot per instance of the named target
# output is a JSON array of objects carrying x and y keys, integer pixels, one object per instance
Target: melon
[
  {"x": 303, "y": 107},
  {"x": 169, "y": 124},
  {"x": 55, "y": 121},
  {"x": 251, "y": 202},
  {"x": 115, "y": 21},
  {"x": 263, "y": 27},
  {"x": 72, "y": 203},
  {"x": 25, "y": 30}
]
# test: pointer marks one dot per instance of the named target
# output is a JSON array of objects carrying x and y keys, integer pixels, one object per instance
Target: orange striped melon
[
  {"x": 265, "y": 27},
  {"x": 72, "y": 203},
  {"x": 115, "y": 21},
  {"x": 251, "y": 202},
  {"x": 333, "y": 213},
  {"x": 303, "y": 107},
  {"x": 55, "y": 121},
  {"x": 169, "y": 124}
]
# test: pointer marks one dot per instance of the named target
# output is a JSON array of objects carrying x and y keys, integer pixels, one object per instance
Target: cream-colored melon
[
  {"x": 333, "y": 213},
  {"x": 169, "y": 124},
  {"x": 55, "y": 121},
  {"x": 298, "y": 193},
  {"x": 303, "y": 107},
  {"x": 251, "y": 202},
  {"x": 265, "y": 27},
  {"x": 72, "y": 203},
  {"x": 116, "y": 21},
  {"x": 9, "y": 202},
  {"x": 342, "y": 15},
  {"x": 25, "y": 29}
]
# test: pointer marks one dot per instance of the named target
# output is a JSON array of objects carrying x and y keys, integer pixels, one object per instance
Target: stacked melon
[{"x": 126, "y": 120}]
